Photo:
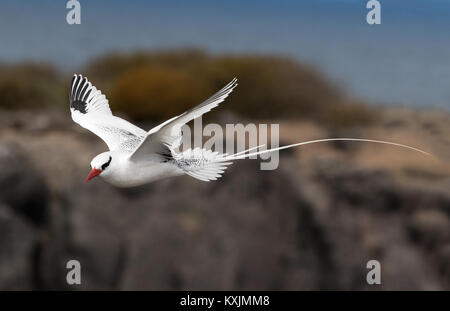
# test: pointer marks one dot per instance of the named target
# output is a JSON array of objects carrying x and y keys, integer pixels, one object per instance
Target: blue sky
[{"x": 405, "y": 60}]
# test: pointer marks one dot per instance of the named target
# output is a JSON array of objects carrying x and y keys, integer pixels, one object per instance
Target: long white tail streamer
[{"x": 240, "y": 155}]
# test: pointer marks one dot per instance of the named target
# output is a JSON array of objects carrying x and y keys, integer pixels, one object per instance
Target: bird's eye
[{"x": 104, "y": 166}]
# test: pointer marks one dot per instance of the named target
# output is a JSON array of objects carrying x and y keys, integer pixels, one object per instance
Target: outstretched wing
[
  {"x": 90, "y": 109},
  {"x": 167, "y": 135}
]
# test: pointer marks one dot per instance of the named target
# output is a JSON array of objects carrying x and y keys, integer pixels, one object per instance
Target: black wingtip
[{"x": 78, "y": 94}]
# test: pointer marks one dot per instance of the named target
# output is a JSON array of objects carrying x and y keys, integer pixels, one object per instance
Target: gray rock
[
  {"x": 21, "y": 186},
  {"x": 18, "y": 244}
]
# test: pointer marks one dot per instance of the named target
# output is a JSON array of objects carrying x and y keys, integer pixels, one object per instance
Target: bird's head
[{"x": 99, "y": 164}]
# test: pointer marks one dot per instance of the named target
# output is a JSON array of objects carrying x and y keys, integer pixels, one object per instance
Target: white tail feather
[
  {"x": 207, "y": 165},
  {"x": 245, "y": 154}
]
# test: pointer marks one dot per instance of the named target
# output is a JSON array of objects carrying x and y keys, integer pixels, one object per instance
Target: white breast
[{"x": 130, "y": 174}]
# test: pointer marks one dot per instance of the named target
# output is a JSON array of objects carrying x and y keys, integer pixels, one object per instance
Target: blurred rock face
[
  {"x": 23, "y": 202},
  {"x": 21, "y": 187},
  {"x": 300, "y": 227},
  {"x": 18, "y": 242}
]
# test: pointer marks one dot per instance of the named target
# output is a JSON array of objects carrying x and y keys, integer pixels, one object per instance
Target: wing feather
[
  {"x": 168, "y": 134},
  {"x": 90, "y": 109}
]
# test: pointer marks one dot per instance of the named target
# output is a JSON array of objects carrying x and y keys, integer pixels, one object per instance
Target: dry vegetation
[
  {"x": 157, "y": 85},
  {"x": 30, "y": 86}
]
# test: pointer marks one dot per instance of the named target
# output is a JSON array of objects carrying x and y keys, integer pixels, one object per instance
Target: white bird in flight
[{"x": 137, "y": 157}]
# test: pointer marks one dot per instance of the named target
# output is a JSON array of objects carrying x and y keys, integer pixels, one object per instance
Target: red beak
[{"x": 95, "y": 172}]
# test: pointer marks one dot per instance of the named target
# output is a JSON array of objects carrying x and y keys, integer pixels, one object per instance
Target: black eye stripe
[{"x": 106, "y": 164}]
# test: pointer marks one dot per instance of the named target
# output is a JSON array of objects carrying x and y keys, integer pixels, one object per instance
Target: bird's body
[
  {"x": 137, "y": 157},
  {"x": 125, "y": 173}
]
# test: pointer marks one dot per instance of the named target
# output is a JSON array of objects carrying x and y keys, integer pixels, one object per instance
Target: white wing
[
  {"x": 167, "y": 135},
  {"x": 90, "y": 109}
]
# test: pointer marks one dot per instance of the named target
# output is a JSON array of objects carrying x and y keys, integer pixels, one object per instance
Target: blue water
[{"x": 403, "y": 61}]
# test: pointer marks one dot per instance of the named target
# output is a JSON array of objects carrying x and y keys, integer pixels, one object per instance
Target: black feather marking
[
  {"x": 104, "y": 166},
  {"x": 78, "y": 94},
  {"x": 128, "y": 133},
  {"x": 83, "y": 91},
  {"x": 79, "y": 106},
  {"x": 86, "y": 96},
  {"x": 166, "y": 155},
  {"x": 75, "y": 86},
  {"x": 77, "y": 97}
]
